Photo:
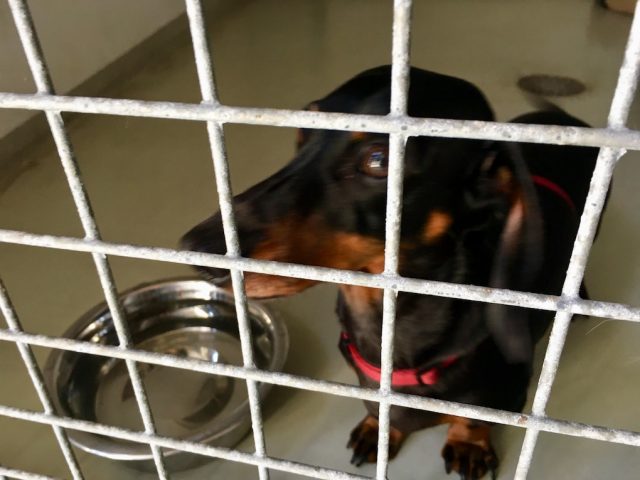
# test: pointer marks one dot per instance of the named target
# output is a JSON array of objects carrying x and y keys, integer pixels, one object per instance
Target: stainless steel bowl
[{"x": 189, "y": 318}]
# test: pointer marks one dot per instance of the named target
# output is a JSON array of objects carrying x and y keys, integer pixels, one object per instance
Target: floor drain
[{"x": 551, "y": 85}]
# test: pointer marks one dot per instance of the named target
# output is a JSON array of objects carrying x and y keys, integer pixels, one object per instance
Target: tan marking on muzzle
[
  {"x": 310, "y": 242},
  {"x": 437, "y": 225}
]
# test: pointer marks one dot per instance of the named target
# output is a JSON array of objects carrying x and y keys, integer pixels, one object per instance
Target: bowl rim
[{"x": 117, "y": 449}]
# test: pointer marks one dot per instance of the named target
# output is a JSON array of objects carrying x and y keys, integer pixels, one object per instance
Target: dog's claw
[
  {"x": 492, "y": 464},
  {"x": 447, "y": 454},
  {"x": 469, "y": 460},
  {"x": 464, "y": 467},
  {"x": 358, "y": 458},
  {"x": 364, "y": 442}
]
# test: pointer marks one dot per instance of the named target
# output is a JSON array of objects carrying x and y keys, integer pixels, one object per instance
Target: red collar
[
  {"x": 407, "y": 377},
  {"x": 555, "y": 188}
]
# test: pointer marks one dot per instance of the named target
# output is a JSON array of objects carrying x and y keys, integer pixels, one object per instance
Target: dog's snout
[{"x": 207, "y": 237}]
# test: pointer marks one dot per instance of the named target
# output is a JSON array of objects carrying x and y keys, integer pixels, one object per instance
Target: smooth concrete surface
[{"x": 150, "y": 180}]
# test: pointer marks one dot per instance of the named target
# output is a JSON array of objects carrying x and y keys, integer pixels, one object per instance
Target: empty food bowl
[{"x": 189, "y": 318}]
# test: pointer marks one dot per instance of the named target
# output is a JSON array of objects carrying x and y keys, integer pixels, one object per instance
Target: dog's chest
[{"x": 420, "y": 323}]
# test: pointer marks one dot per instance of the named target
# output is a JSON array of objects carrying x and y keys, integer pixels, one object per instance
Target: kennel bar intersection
[
  {"x": 410, "y": 126},
  {"x": 594, "y": 205},
  {"x": 614, "y": 140},
  {"x": 35, "y": 59},
  {"x": 223, "y": 184},
  {"x": 614, "y": 311}
]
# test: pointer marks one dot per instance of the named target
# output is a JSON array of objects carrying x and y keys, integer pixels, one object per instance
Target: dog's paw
[
  {"x": 470, "y": 460},
  {"x": 364, "y": 441}
]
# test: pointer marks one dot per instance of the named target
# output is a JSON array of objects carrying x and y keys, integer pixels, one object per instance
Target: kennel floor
[{"x": 150, "y": 180}]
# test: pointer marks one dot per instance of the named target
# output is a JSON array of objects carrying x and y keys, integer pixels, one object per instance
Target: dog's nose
[{"x": 207, "y": 237}]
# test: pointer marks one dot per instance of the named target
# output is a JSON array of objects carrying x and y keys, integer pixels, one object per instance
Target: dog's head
[{"x": 327, "y": 206}]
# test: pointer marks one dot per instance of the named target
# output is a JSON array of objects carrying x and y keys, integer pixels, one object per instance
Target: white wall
[{"x": 79, "y": 37}]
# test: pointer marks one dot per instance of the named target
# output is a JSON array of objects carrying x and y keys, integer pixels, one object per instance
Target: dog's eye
[{"x": 375, "y": 162}]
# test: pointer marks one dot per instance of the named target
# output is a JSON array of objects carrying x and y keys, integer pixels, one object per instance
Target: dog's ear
[
  {"x": 303, "y": 134},
  {"x": 508, "y": 190}
]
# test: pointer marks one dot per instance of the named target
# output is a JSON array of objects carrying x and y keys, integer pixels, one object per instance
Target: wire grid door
[{"x": 613, "y": 140}]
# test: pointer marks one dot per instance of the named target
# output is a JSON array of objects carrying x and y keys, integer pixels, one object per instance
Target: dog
[{"x": 473, "y": 212}]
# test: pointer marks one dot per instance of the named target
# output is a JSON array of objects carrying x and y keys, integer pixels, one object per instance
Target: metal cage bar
[
  {"x": 397, "y": 141},
  {"x": 332, "y": 388},
  {"x": 613, "y": 140},
  {"x": 223, "y": 183},
  {"x": 578, "y": 306},
  {"x": 35, "y": 59},
  {"x": 410, "y": 126},
  {"x": 519, "y": 420},
  {"x": 35, "y": 374},
  {"x": 594, "y": 205},
  {"x": 175, "y": 444},
  {"x": 10, "y": 473}
]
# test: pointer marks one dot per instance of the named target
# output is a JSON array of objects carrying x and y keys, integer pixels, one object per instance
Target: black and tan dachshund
[{"x": 474, "y": 212}]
